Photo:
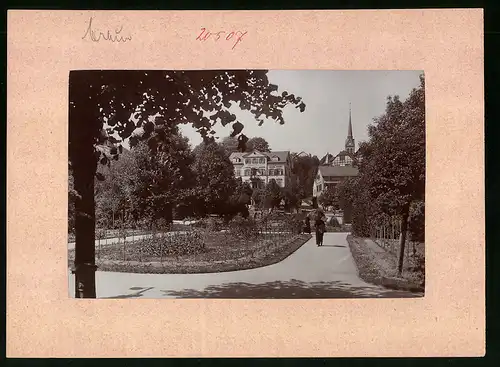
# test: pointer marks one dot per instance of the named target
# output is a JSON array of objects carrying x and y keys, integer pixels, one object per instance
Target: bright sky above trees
[{"x": 322, "y": 127}]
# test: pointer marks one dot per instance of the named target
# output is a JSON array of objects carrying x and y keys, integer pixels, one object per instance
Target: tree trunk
[
  {"x": 402, "y": 238},
  {"x": 85, "y": 231},
  {"x": 82, "y": 136}
]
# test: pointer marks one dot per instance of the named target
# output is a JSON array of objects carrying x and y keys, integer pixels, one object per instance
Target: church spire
[
  {"x": 349, "y": 132},
  {"x": 350, "y": 145}
]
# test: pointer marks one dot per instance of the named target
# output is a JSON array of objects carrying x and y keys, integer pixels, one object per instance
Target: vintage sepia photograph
[{"x": 256, "y": 184}]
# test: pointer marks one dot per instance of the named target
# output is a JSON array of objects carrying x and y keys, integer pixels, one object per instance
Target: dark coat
[{"x": 320, "y": 230}]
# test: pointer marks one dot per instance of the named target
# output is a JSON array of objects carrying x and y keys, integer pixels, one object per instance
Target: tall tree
[
  {"x": 160, "y": 180},
  {"x": 215, "y": 180},
  {"x": 273, "y": 195},
  {"x": 291, "y": 195},
  {"x": 239, "y": 201},
  {"x": 119, "y": 102},
  {"x": 393, "y": 164},
  {"x": 258, "y": 143},
  {"x": 111, "y": 195},
  {"x": 305, "y": 169}
]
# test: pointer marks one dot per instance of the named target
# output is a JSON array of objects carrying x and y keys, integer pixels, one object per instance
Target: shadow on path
[
  {"x": 289, "y": 289},
  {"x": 133, "y": 295}
]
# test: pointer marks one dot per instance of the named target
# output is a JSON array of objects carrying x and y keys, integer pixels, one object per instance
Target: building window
[
  {"x": 262, "y": 161},
  {"x": 237, "y": 172},
  {"x": 247, "y": 172},
  {"x": 247, "y": 161}
]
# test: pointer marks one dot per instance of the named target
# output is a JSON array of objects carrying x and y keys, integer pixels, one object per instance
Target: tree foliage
[
  {"x": 258, "y": 143},
  {"x": 215, "y": 181},
  {"x": 272, "y": 195},
  {"x": 305, "y": 169},
  {"x": 229, "y": 144},
  {"x": 160, "y": 179},
  {"x": 291, "y": 195},
  {"x": 394, "y": 156},
  {"x": 392, "y": 169},
  {"x": 328, "y": 198}
]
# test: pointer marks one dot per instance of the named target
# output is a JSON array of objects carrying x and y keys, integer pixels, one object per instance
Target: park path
[{"x": 310, "y": 272}]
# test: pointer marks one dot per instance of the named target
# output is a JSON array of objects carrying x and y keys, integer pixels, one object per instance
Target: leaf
[{"x": 237, "y": 128}]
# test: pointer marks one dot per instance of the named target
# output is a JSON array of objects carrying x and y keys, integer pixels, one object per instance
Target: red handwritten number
[{"x": 204, "y": 36}]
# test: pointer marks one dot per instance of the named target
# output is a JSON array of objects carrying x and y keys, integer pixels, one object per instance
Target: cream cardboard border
[{"x": 43, "y": 322}]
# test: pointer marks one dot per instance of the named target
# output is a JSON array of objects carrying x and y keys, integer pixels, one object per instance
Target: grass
[
  {"x": 379, "y": 267},
  {"x": 221, "y": 252}
]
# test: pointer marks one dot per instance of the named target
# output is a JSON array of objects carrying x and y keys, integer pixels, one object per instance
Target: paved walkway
[{"x": 310, "y": 272}]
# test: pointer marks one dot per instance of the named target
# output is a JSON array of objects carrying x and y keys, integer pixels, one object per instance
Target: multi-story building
[
  {"x": 331, "y": 176},
  {"x": 258, "y": 168},
  {"x": 334, "y": 169}
]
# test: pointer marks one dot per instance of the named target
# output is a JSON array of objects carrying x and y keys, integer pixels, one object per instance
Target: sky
[{"x": 322, "y": 127}]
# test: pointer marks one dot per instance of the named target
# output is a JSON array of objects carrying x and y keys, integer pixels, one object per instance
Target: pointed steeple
[
  {"x": 350, "y": 145},
  {"x": 349, "y": 132}
]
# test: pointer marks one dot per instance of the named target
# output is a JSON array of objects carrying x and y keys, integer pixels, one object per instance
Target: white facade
[{"x": 258, "y": 168}]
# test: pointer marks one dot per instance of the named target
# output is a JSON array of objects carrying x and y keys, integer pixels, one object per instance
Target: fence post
[{"x": 98, "y": 243}]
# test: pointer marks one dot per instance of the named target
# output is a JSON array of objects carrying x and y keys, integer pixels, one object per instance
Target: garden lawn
[
  {"x": 221, "y": 252},
  {"x": 378, "y": 266}
]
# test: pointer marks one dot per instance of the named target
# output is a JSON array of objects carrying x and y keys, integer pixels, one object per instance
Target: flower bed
[{"x": 198, "y": 251}]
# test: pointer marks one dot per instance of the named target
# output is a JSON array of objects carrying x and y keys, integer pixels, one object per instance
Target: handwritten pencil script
[
  {"x": 235, "y": 37},
  {"x": 97, "y": 36}
]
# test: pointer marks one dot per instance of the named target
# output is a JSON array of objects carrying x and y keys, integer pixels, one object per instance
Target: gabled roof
[
  {"x": 338, "y": 171},
  {"x": 236, "y": 155},
  {"x": 326, "y": 159},
  {"x": 346, "y": 153},
  {"x": 282, "y": 155}
]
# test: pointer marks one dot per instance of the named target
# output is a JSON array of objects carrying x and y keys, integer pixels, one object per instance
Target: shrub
[
  {"x": 243, "y": 227},
  {"x": 214, "y": 224},
  {"x": 174, "y": 243},
  {"x": 295, "y": 223}
]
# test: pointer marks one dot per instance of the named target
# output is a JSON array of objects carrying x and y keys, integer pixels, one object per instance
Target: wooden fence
[{"x": 387, "y": 235}]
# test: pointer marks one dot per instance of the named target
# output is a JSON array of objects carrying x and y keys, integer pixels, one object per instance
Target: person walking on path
[{"x": 320, "y": 231}]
